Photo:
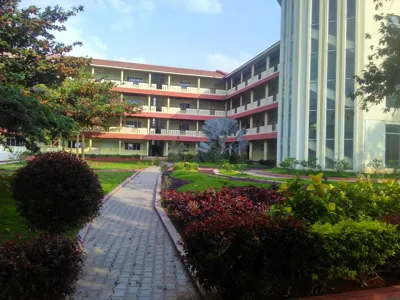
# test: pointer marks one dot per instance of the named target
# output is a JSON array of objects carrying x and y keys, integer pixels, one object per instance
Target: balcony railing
[
  {"x": 187, "y": 111},
  {"x": 254, "y": 79},
  {"x": 254, "y": 105},
  {"x": 262, "y": 129}
]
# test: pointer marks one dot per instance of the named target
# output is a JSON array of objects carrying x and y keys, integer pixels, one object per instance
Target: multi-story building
[
  {"x": 176, "y": 102},
  {"x": 323, "y": 46},
  {"x": 305, "y": 114}
]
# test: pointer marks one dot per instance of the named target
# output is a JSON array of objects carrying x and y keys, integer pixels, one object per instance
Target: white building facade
[{"x": 323, "y": 46}]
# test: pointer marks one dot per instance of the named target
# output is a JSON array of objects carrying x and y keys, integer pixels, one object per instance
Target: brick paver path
[{"x": 129, "y": 252}]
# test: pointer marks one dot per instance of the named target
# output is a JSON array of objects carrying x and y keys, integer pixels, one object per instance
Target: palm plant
[{"x": 218, "y": 131}]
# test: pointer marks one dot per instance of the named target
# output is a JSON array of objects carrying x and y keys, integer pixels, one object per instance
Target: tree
[
  {"x": 24, "y": 117},
  {"x": 179, "y": 150},
  {"x": 218, "y": 131},
  {"x": 30, "y": 55},
  {"x": 88, "y": 101},
  {"x": 381, "y": 78}
]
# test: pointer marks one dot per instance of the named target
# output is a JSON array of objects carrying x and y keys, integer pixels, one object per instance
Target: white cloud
[
  {"x": 95, "y": 40},
  {"x": 126, "y": 12},
  {"x": 138, "y": 59},
  {"x": 199, "y": 6},
  {"x": 223, "y": 62}
]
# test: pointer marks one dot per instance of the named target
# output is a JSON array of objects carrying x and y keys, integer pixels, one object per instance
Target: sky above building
[{"x": 202, "y": 34}]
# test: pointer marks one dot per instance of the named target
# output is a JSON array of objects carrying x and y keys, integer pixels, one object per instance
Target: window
[
  {"x": 395, "y": 20},
  {"x": 185, "y": 84},
  {"x": 132, "y": 146},
  {"x": 135, "y": 80},
  {"x": 183, "y": 127},
  {"x": 134, "y": 124},
  {"x": 74, "y": 144},
  {"x": 392, "y": 149},
  {"x": 18, "y": 142},
  {"x": 184, "y": 106},
  {"x": 135, "y": 102}
]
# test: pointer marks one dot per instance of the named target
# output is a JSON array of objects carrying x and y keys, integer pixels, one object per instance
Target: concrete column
[
  {"x": 252, "y": 96},
  {"x": 168, "y": 103},
  {"x": 250, "y": 149},
  {"x": 241, "y": 76},
  {"x": 169, "y": 81},
  {"x": 149, "y": 102},
  {"x": 149, "y": 79},
  {"x": 167, "y": 126},
  {"x": 240, "y": 124},
  {"x": 148, "y": 126},
  {"x": 253, "y": 69},
  {"x": 231, "y": 82},
  {"x": 241, "y": 100},
  {"x": 198, "y": 85},
  {"x": 251, "y": 121},
  {"x": 119, "y": 147},
  {"x": 122, "y": 76},
  {"x": 90, "y": 145},
  {"x": 226, "y": 85},
  {"x": 231, "y": 105},
  {"x": 265, "y": 119},
  {"x": 265, "y": 150},
  {"x": 266, "y": 90},
  {"x": 166, "y": 148},
  {"x": 92, "y": 71},
  {"x": 197, "y": 105},
  {"x": 197, "y": 145},
  {"x": 267, "y": 63},
  {"x": 197, "y": 127},
  {"x": 226, "y": 106},
  {"x": 77, "y": 145},
  {"x": 147, "y": 148}
]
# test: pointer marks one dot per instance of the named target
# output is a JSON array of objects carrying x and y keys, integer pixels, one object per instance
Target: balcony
[
  {"x": 171, "y": 88},
  {"x": 188, "y": 111},
  {"x": 254, "y": 79},
  {"x": 262, "y": 129},
  {"x": 254, "y": 105}
]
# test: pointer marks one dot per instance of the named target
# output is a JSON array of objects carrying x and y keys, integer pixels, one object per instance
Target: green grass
[
  {"x": 306, "y": 173},
  {"x": 218, "y": 165},
  {"x": 12, "y": 166},
  {"x": 132, "y": 165},
  {"x": 201, "y": 182},
  {"x": 110, "y": 180},
  {"x": 11, "y": 223}
]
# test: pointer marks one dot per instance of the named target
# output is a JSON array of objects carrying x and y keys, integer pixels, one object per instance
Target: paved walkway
[{"x": 129, "y": 253}]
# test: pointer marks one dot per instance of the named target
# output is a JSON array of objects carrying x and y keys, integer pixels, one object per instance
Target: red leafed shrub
[
  {"x": 258, "y": 195},
  {"x": 185, "y": 208},
  {"x": 44, "y": 268},
  {"x": 57, "y": 192},
  {"x": 393, "y": 218},
  {"x": 251, "y": 256}
]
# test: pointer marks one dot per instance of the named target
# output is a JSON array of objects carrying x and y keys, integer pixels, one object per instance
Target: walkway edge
[
  {"x": 85, "y": 230},
  {"x": 174, "y": 235}
]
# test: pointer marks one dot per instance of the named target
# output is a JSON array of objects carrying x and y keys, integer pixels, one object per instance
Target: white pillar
[
  {"x": 253, "y": 69},
  {"x": 226, "y": 85},
  {"x": 119, "y": 147},
  {"x": 148, "y": 126},
  {"x": 197, "y": 105},
  {"x": 197, "y": 127},
  {"x": 90, "y": 145},
  {"x": 266, "y": 91},
  {"x": 148, "y": 148},
  {"x": 252, "y": 96},
  {"x": 92, "y": 71},
  {"x": 265, "y": 150},
  {"x": 231, "y": 106},
  {"x": 122, "y": 76},
  {"x": 167, "y": 126},
  {"x": 250, "y": 149},
  {"x": 149, "y": 102},
  {"x": 166, "y": 148},
  {"x": 169, "y": 81},
  {"x": 265, "y": 119},
  {"x": 241, "y": 100},
  {"x": 198, "y": 85},
  {"x": 241, "y": 76},
  {"x": 251, "y": 121},
  {"x": 149, "y": 79},
  {"x": 267, "y": 63},
  {"x": 168, "y": 103},
  {"x": 231, "y": 82}
]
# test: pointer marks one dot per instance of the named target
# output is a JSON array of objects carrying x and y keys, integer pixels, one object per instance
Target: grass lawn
[
  {"x": 200, "y": 181},
  {"x": 11, "y": 223},
  {"x": 12, "y": 166},
  {"x": 306, "y": 173},
  {"x": 132, "y": 165},
  {"x": 218, "y": 165}
]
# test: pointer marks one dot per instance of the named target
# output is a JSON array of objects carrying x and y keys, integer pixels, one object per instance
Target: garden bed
[{"x": 252, "y": 243}]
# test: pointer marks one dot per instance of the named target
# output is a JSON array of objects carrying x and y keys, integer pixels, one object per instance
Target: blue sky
[{"x": 203, "y": 34}]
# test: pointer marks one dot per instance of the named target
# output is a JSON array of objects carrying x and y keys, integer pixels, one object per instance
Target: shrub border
[
  {"x": 175, "y": 236},
  {"x": 85, "y": 230}
]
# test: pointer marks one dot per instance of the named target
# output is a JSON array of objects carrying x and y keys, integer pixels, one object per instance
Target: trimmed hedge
[
  {"x": 57, "y": 192},
  {"x": 42, "y": 268},
  {"x": 185, "y": 166}
]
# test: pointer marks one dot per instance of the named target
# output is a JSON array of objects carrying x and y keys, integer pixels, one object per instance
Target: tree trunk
[
  {"x": 83, "y": 146},
  {"x": 77, "y": 145}
]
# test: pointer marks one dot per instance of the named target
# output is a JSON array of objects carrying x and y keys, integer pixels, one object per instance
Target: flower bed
[{"x": 300, "y": 240}]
